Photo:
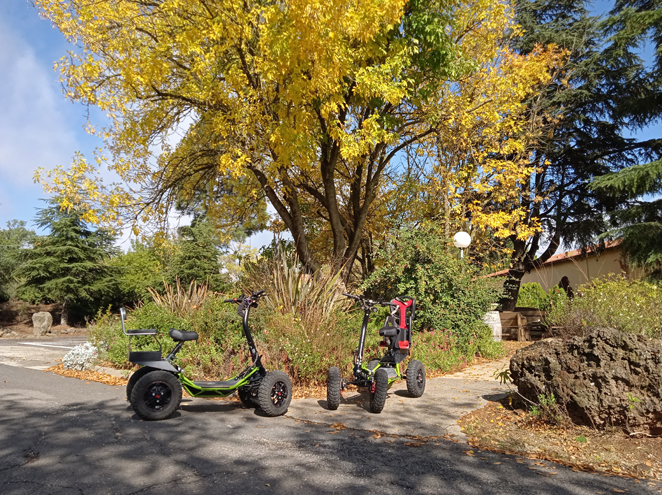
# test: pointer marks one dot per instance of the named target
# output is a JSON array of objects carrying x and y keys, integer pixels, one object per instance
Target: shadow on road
[{"x": 99, "y": 446}]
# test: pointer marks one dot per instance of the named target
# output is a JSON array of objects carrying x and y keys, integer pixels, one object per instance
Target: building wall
[{"x": 579, "y": 269}]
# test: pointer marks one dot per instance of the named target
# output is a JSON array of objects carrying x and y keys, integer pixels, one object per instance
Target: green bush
[
  {"x": 304, "y": 343},
  {"x": 632, "y": 306},
  {"x": 440, "y": 350},
  {"x": 451, "y": 294},
  {"x": 532, "y": 295}
]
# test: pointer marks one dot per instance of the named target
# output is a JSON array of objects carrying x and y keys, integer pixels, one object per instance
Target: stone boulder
[
  {"x": 7, "y": 332},
  {"x": 42, "y": 321},
  {"x": 608, "y": 378}
]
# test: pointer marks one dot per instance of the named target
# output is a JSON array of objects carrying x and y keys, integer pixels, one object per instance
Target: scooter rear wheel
[
  {"x": 156, "y": 395},
  {"x": 133, "y": 379},
  {"x": 416, "y": 378},
  {"x": 275, "y": 393},
  {"x": 333, "y": 389}
]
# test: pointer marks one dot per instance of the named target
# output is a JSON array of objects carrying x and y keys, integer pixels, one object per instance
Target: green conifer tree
[
  {"x": 13, "y": 240},
  {"x": 197, "y": 258},
  {"x": 638, "y": 219},
  {"x": 67, "y": 266}
]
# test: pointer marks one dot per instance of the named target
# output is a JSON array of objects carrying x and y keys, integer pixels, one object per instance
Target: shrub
[
  {"x": 532, "y": 295},
  {"x": 633, "y": 306},
  {"x": 179, "y": 300},
  {"x": 450, "y": 293},
  {"x": 291, "y": 290},
  {"x": 81, "y": 357}
]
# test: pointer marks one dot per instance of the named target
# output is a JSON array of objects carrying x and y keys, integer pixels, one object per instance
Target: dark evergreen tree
[
  {"x": 13, "y": 241},
  {"x": 69, "y": 265},
  {"x": 197, "y": 256},
  {"x": 638, "y": 220},
  {"x": 584, "y": 135}
]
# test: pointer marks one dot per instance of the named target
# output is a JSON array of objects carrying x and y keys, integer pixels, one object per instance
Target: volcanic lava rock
[{"x": 608, "y": 378}]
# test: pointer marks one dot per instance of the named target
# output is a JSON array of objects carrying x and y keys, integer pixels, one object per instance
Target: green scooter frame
[
  {"x": 155, "y": 389},
  {"x": 379, "y": 374}
]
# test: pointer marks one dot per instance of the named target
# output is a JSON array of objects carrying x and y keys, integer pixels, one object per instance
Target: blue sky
[{"x": 38, "y": 127}]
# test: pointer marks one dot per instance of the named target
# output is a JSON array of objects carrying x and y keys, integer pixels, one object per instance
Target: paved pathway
[
  {"x": 37, "y": 354},
  {"x": 435, "y": 414},
  {"x": 62, "y": 436}
]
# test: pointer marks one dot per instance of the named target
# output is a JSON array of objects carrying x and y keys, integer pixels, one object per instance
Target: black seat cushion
[
  {"x": 182, "y": 336},
  {"x": 389, "y": 331}
]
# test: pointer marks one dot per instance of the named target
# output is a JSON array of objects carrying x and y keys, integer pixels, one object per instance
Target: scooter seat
[
  {"x": 182, "y": 336},
  {"x": 389, "y": 331}
]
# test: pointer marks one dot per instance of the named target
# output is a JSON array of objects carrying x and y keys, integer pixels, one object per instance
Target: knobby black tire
[
  {"x": 163, "y": 382},
  {"x": 247, "y": 399},
  {"x": 416, "y": 378},
  {"x": 133, "y": 379},
  {"x": 275, "y": 393},
  {"x": 378, "y": 397},
  {"x": 333, "y": 389}
]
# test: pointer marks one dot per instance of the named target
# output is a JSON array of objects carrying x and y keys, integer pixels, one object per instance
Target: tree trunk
[
  {"x": 511, "y": 290},
  {"x": 64, "y": 317},
  {"x": 523, "y": 262}
]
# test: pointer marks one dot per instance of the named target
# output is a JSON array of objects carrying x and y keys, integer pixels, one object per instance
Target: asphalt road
[
  {"x": 37, "y": 354},
  {"x": 64, "y": 436}
]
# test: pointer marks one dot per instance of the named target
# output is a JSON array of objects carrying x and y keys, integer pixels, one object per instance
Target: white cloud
[{"x": 33, "y": 128}]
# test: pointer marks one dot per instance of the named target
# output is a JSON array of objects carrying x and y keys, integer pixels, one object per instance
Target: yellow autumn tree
[
  {"x": 304, "y": 104},
  {"x": 474, "y": 164},
  {"x": 466, "y": 175}
]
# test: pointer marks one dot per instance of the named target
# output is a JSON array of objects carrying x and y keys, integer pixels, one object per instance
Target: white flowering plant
[{"x": 81, "y": 357}]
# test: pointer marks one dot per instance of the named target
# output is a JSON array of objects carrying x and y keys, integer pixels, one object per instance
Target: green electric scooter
[
  {"x": 379, "y": 374},
  {"x": 155, "y": 389}
]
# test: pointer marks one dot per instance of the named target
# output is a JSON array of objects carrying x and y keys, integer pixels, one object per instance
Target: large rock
[
  {"x": 608, "y": 378},
  {"x": 42, "y": 321}
]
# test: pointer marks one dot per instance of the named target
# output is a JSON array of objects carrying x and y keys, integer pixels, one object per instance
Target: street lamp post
[{"x": 461, "y": 240}]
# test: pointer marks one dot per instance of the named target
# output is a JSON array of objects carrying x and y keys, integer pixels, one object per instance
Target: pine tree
[
  {"x": 15, "y": 238},
  {"x": 67, "y": 266},
  {"x": 197, "y": 257},
  {"x": 586, "y": 134},
  {"x": 638, "y": 220}
]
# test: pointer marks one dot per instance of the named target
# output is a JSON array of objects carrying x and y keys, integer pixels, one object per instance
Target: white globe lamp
[{"x": 462, "y": 240}]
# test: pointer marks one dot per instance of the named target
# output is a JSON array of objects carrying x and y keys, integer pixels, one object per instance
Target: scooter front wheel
[
  {"x": 156, "y": 395},
  {"x": 379, "y": 391},
  {"x": 333, "y": 389},
  {"x": 275, "y": 393}
]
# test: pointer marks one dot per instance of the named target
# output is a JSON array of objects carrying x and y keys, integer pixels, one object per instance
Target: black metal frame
[
  {"x": 154, "y": 359},
  {"x": 362, "y": 376}
]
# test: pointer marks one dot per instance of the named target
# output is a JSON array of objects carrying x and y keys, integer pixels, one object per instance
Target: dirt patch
[
  {"x": 509, "y": 428},
  {"x": 17, "y": 317},
  {"x": 27, "y": 331}
]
